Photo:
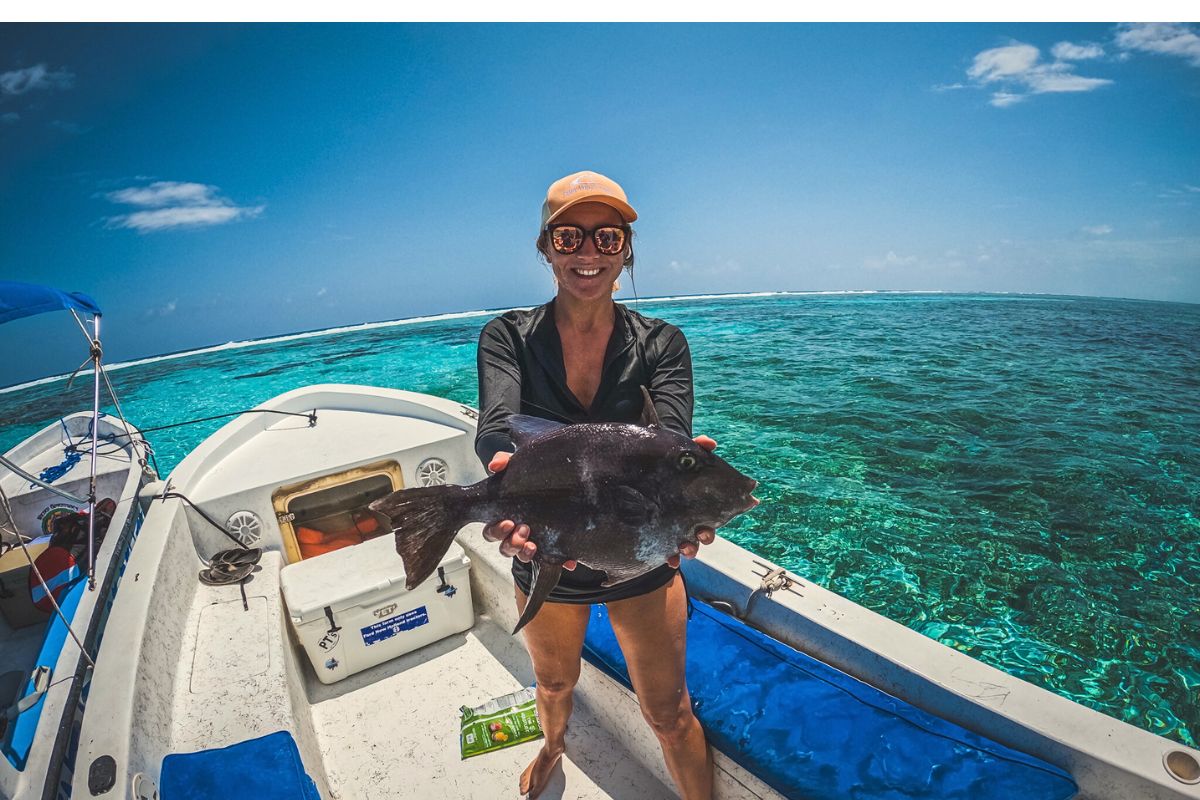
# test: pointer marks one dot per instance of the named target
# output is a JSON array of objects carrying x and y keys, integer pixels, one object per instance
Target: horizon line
[{"x": 361, "y": 326}]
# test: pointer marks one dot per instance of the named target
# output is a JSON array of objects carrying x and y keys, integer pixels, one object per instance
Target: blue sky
[{"x": 214, "y": 183}]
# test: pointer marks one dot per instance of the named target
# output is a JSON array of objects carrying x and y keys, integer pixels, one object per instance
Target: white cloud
[
  {"x": 165, "y": 193},
  {"x": 162, "y": 311},
  {"x": 1002, "y": 99},
  {"x": 1163, "y": 38},
  {"x": 322, "y": 292},
  {"x": 891, "y": 260},
  {"x": 1181, "y": 193},
  {"x": 1003, "y": 62},
  {"x": 176, "y": 204},
  {"x": 1066, "y": 51},
  {"x": 1098, "y": 230},
  {"x": 182, "y": 217},
  {"x": 1017, "y": 72},
  {"x": 20, "y": 81},
  {"x": 1056, "y": 78}
]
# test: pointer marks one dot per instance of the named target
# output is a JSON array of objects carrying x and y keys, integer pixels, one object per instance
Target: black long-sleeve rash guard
[{"x": 521, "y": 371}]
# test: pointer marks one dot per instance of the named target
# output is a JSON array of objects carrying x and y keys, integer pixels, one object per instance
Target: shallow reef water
[{"x": 1017, "y": 477}]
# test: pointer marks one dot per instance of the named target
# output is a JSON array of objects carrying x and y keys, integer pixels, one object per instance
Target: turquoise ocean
[{"x": 1017, "y": 477}]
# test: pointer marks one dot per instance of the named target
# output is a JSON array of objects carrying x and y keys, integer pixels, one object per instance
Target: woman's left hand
[{"x": 704, "y": 535}]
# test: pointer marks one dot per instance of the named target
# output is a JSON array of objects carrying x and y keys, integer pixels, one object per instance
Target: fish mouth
[{"x": 754, "y": 501}]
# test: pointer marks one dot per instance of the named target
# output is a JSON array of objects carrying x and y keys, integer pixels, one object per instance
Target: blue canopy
[{"x": 25, "y": 299}]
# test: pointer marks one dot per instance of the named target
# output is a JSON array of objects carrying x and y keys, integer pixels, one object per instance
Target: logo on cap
[{"x": 580, "y": 185}]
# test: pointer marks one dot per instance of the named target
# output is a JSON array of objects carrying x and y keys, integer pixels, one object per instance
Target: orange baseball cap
[{"x": 585, "y": 187}]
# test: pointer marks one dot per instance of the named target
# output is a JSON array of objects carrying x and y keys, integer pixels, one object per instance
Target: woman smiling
[{"x": 582, "y": 357}]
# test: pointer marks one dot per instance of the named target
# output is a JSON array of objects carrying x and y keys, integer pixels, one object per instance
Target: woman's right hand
[{"x": 513, "y": 538}]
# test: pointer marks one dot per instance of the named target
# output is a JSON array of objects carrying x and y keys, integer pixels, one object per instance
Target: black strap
[
  {"x": 207, "y": 518},
  {"x": 333, "y": 626},
  {"x": 686, "y": 593}
]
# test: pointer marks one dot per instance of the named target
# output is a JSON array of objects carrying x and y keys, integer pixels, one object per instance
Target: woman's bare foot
[{"x": 537, "y": 774}]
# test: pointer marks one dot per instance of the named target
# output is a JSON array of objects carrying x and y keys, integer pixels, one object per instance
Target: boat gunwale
[{"x": 61, "y": 703}]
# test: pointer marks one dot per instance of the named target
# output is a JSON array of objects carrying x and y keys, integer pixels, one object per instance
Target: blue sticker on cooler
[{"x": 393, "y": 625}]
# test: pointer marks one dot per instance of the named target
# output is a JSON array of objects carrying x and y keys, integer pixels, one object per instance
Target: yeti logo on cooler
[{"x": 380, "y": 613}]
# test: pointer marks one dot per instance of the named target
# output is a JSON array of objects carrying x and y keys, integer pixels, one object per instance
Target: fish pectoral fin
[
  {"x": 630, "y": 504},
  {"x": 545, "y": 578},
  {"x": 525, "y": 429}
]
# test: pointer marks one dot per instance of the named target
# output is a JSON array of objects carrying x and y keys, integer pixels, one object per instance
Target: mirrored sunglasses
[{"x": 609, "y": 239}]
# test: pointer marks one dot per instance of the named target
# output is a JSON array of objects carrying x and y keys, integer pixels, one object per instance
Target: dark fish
[{"x": 616, "y": 497}]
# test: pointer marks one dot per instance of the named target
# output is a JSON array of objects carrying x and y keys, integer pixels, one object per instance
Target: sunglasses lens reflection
[
  {"x": 567, "y": 239},
  {"x": 609, "y": 241}
]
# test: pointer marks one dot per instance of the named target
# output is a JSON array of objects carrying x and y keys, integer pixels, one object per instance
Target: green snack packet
[{"x": 502, "y": 722}]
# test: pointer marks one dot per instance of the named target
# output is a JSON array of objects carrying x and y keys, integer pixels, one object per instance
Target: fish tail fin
[
  {"x": 426, "y": 520},
  {"x": 545, "y": 578}
]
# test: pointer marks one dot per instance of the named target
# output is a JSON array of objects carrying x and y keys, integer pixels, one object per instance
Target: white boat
[
  {"x": 84, "y": 470},
  {"x": 199, "y": 689}
]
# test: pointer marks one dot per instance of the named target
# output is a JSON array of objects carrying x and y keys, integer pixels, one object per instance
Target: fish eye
[{"x": 687, "y": 462}]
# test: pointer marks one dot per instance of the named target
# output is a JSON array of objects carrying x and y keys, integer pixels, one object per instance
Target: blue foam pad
[
  {"x": 266, "y": 768},
  {"x": 811, "y": 731},
  {"x": 19, "y": 739}
]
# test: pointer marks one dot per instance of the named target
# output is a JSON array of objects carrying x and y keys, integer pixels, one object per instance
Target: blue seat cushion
[
  {"x": 811, "y": 731},
  {"x": 266, "y": 768}
]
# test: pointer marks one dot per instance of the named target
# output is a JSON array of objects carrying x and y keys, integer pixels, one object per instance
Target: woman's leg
[
  {"x": 554, "y": 639},
  {"x": 652, "y": 631}
]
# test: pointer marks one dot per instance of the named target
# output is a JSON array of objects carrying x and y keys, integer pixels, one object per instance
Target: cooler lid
[{"x": 345, "y": 577}]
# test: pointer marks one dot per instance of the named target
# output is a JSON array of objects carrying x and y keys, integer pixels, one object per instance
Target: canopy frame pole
[
  {"x": 97, "y": 354},
  {"x": 82, "y": 327}
]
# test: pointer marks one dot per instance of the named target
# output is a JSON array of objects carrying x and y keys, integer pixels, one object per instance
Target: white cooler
[{"x": 350, "y": 610}]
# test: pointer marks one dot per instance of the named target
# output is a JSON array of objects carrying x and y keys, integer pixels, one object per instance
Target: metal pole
[
  {"x": 39, "y": 482},
  {"x": 96, "y": 355}
]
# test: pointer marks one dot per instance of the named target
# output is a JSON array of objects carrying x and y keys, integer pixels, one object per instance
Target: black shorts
[{"x": 581, "y": 586}]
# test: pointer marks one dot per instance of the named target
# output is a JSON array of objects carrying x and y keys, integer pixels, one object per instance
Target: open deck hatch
[{"x": 324, "y": 514}]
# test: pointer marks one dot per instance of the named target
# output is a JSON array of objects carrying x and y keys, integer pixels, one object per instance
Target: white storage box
[{"x": 350, "y": 610}]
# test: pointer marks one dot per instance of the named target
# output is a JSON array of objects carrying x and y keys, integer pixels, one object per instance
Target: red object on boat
[{"x": 59, "y": 570}]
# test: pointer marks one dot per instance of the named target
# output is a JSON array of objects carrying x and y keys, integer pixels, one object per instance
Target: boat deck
[
  {"x": 19, "y": 646},
  {"x": 394, "y": 727},
  {"x": 389, "y": 731}
]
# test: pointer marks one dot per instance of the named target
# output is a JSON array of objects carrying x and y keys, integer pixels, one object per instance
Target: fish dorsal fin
[
  {"x": 649, "y": 415},
  {"x": 525, "y": 429}
]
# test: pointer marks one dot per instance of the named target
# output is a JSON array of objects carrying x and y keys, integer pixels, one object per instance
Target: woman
[{"x": 582, "y": 358}]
